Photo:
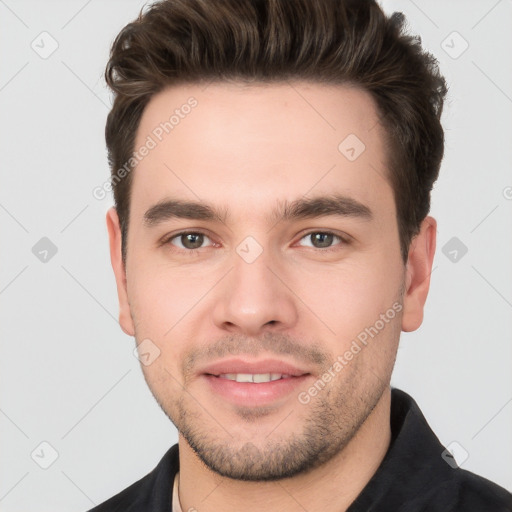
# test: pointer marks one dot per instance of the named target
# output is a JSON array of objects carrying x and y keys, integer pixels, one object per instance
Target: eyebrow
[
  {"x": 334, "y": 204},
  {"x": 178, "y": 209},
  {"x": 303, "y": 208}
]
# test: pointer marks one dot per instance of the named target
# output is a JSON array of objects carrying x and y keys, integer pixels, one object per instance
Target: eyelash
[
  {"x": 190, "y": 252},
  {"x": 343, "y": 241},
  {"x": 167, "y": 241}
]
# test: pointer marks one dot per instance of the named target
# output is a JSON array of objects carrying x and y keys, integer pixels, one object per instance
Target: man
[{"x": 272, "y": 162}]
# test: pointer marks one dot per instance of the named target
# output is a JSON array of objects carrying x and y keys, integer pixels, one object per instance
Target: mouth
[
  {"x": 256, "y": 378},
  {"x": 252, "y": 384}
]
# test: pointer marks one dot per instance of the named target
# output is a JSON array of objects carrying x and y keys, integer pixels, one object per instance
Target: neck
[{"x": 330, "y": 487}]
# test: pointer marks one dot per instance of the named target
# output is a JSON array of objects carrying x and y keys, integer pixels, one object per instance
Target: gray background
[{"x": 68, "y": 374}]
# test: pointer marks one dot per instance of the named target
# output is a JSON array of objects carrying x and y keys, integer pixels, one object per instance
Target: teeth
[
  {"x": 261, "y": 377},
  {"x": 243, "y": 377},
  {"x": 254, "y": 377}
]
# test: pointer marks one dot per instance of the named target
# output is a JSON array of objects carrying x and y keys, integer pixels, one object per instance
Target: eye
[
  {"x": 188, "y": 241},
  {"x": 322, "y": 239}
]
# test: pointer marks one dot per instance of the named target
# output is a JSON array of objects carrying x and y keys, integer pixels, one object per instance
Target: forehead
[{"x": 247, "y": 146}]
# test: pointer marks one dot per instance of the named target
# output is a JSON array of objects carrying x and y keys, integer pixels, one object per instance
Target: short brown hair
[{"x": 324, "y": 41}]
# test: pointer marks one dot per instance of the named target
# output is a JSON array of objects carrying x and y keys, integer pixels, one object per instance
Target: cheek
[
  {"x": 348, "y": 297},
  {"x": 169, "y": 309},
  {"x": 159, "y": 310},
  {"x": 161, "y": 297}
]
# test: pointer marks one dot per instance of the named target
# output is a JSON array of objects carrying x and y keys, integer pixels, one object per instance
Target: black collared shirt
[{"x": 415, "y": 476}]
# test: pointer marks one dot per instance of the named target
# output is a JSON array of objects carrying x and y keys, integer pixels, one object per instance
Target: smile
[{"x": 257, "y": 378}]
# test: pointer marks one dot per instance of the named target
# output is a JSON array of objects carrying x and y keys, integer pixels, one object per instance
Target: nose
[{"x": 254, "y": 298}]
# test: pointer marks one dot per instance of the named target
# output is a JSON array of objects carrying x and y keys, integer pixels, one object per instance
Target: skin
[{"x": 246, "y": 149}]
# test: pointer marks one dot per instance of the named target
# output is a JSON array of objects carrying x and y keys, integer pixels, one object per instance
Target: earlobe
[
  {"x": 417, "y": 280},
  {"x": 114, "y": 235}
]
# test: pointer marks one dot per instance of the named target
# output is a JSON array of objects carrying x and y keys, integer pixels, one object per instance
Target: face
[{"x": 263, "y": 280}]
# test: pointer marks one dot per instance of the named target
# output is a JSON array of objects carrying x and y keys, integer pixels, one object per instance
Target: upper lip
[{"x": 253, "y": 367}]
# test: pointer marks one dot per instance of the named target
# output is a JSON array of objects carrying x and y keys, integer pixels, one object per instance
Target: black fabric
[{"x": 413, "y": 477}]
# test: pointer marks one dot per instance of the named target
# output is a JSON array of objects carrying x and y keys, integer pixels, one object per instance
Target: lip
[
  {"x": 264, "y": 366},
  {"x": 251, "y": 394}
]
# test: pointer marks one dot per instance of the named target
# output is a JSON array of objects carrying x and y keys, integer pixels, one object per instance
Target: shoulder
[
  {"x": 464, "y": 491},
  {"x": 151, "y": 492},
  {"x": 478, "y": 493},
  {"x": 131, "y": 498},
  {"x": 416, "y": 476}
]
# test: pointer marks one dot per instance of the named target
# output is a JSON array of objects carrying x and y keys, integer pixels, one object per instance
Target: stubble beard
[{"x": 330, "y": 424}]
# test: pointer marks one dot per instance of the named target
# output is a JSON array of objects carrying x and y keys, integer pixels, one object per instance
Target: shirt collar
[{"x": 413, "y": 460}]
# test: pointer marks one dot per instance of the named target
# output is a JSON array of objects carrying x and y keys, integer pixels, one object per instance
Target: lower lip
[{"x": 254, "y": 394}]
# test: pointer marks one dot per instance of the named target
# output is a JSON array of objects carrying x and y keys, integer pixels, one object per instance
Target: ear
[
  {"x": 418, "y": 270},
  {"x": 114, "y": 235}
]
